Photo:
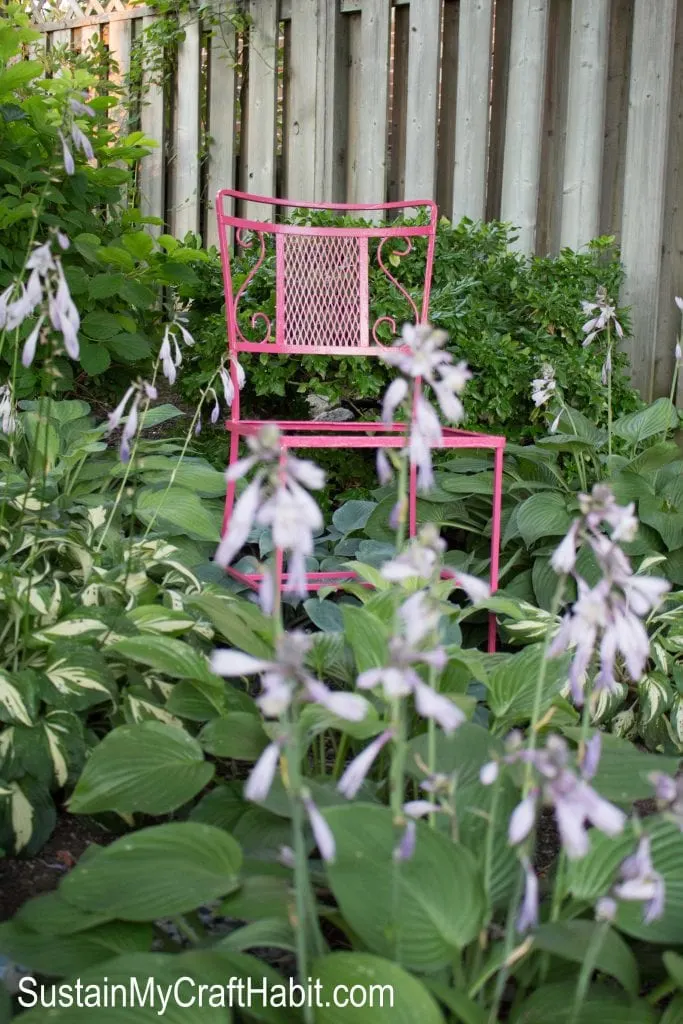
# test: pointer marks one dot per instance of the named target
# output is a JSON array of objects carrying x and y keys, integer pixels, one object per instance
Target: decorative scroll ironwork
[
  {"x": 397, "y": 284},
  {"x": 244, "y": 238}
]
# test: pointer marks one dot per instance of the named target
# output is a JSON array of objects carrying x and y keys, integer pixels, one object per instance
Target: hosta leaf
[
  {"x": 543, "y": 515},
  {"x": 512, "y": 685},
  {"x": 27, "y": 815},
  {"x": 182, "y": 508},
  {"x": 571, "y": 939},
  {"x": 222, "y": 807},
  {"x": 151, "y": 767},
  {"x": 79, "y": 624},
  {"x": 78, "y": 678},
  {"x": 49, "y": 914},
  {"x": 623, "y": 771},
  {"x": 165, "y": 654},
  {"x": 411, "y": 1001},
  {"x": 14, "y": 705},
  {"x": 270, "y": 932},
  {"x": 235, "y": 623},
  {"x": 602, "y": 1005},
  {"x": 367, "y": 636},
  {"x": 353, "y": 515},
  {"x": 69, "y": 954},
  {"x": 654, "y": 419},
  {"x": 462, "y": 756},
  {"x": 154, "y": 618},
  {"x": 260, "y": 896},
  {"x": 200, "y": 699},
  {"x": 422, "y": 909},
  {"x": 156, "y": 872},
  {"x": 238, "y": 735}
]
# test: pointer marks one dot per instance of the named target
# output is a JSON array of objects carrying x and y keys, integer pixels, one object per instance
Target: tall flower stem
[
  {"x": 129, "y": 466},
  {"x": 609, "y": 390},
  {"x": 540, "y": 682},
  {"x": 587, "y": 968},
  {"x": 183, "y": 452}
]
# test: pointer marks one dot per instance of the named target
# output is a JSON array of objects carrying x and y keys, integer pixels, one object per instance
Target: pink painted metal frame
[{"x": 353, "y": 336}]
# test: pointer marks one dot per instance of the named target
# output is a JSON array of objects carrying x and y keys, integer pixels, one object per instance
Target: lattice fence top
[{"x": 51, "y": 11}]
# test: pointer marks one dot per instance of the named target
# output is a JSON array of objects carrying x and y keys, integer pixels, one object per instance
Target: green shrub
[{"x": 505, "y": 314}]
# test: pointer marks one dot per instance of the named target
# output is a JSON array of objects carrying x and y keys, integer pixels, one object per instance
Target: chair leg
[
  {"x": 230, "y": 492},
  {"x": 412, "y": 501},
  {"x": 495, "y": 538}
]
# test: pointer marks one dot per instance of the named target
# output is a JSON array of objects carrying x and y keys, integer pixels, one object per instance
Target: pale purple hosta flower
[
  {"x": 669, "y": 793},
  {"x": 78, "y": 107},
  {"x": 476, "y": 589},
  {"x": 82, "y": 142},
  {"x": 384, "y": 471},
  {"x": 420, "y": 808},
  {"x": 67, "y": 156},
  {"x": 322, "y": 833},
  {"x": 641, "y": 883},
  {"x": 64, "y": 315},
  {"x": 425, "y": 434},
  {"x": 678, "y": 352},
  {"x": 405, "y": 849},
  {"x": 488, "y": 773},
  {"x": 421, "y": 557},
  {"x": 276, "y": 497},
  {"x": 130, "y": 429},
  {"x": 62, "y": 240},
  {"x": 419, "y": 354},
  {"x": 575, "y": 803},
  {"x": 393, "y": 396},
  {"x": 606, "y": 368},
  {"x": 606, "y": 909},
  {"x": 357, "y": 770},
  {"x": 399, "y": 678},
  {"x": 286, "y": 678},
  {"x": 8, "y": 420},
  {"x": 131, "y": 402},
  {"x": 28, "y": 352},
  {"x": 528, "y": 912},
  {"x": 170, "y": 352},
  {"x": 608, "y": 615},
  {"x": 601, "y": 314},
  {"x": 257, "y": 786},
  {"x": 543, "y": 388},
  {"x": 4, "y": 305}
]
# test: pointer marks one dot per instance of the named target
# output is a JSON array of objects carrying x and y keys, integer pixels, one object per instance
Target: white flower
[
  {"x": 262, "y": 775},
  {"x": 8, "y": 422},
  {"x": 606, "y": 315},
  {"x": 542, "y": 388},
  {"x": 322, "y": 833},
  {"x": 356, "y": 771}
]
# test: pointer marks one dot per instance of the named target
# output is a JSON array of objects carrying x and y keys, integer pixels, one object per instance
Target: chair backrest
[{"x": 322, "y": 274}]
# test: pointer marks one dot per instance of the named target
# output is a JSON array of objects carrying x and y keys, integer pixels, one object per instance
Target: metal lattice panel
[{"x": 324, "y": 291}]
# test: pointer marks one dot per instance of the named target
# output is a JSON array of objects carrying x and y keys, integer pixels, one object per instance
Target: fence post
[
  {"x": 585, "y": 122},
  {"x": 472, "y": 110},
  {"x": 524, "y": 119},
  {"x": 654, "y": 30}
]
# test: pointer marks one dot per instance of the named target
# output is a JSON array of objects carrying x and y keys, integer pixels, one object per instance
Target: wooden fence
[{"x": 563, "y": 117}]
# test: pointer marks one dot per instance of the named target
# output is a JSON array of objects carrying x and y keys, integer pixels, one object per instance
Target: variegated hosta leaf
[
  {"x": 76, "y": 678},
  {"x": 79, "y": 624},
  {"x": 606, "y": 703},
  {"x": 136, "y": 710},
  {"x": 676, "y": 719},
  {"x": 655, "y": 696},
  {"x": 18, "y": 698},
  {"x": 674, "y": 642},
  {"x": 660, "y": 658},
  {"x": 624, "y": 724},
  {"x": 27, "y": 815},
  {"x": 52, "y": 751},
  {"x": 154, "y": 618}
]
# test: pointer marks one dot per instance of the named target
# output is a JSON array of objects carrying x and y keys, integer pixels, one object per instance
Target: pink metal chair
[{"x": 322, "y": 307}]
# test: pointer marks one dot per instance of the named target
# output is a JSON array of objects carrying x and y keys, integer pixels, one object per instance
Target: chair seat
[{"x": 316, "y": 434}]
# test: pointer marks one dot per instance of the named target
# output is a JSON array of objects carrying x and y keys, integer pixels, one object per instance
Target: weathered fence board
[
  {"x": 526, "y": 91},
  {"x": 259, "y": 126},
  {"x": 654, "y": 32},
  {"x": 564, "y": 117},
  {"x": 423, "y": 98},
  {"x": 186, "y": 134},
  {"x": 152, "y": 168},
  {"x": 588, "y": 53},
  {"x": 472, "y": 110}
]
